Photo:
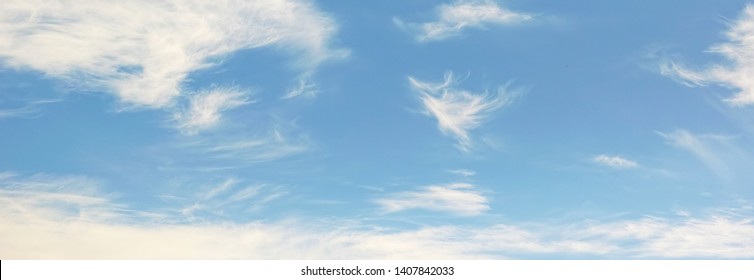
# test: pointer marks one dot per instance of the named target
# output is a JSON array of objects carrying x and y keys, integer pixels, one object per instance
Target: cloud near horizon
[
  {"x": 454, "y": 198},
  {"x": 67, "y": 217}
]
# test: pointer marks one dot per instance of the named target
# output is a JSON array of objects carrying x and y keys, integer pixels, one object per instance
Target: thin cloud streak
[
  {"x": 453, "y": 18},
  {"x": 705, "y": 147},
  {"x": 273, "y": 146},
  {"x": 304, "y": 88},
  {"x": 738, "y": 52},
  {"x": 455, "y": 198},
  {"x": 459, "y": 111},
  {"x": 230, "y": 196}
]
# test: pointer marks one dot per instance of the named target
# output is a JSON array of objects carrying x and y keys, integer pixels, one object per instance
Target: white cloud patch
[
  {"x": 143, "y": 50},
  {"x": 453, "y": 18},
  {"x": 615, "y": 161},
  {"x": 205, "y": 108},
  {"x": 737, "y": 73},
  {"x": 54, "y": 217},
  {"x": 455, "y": 198},
  {"x": 459, "y": 111}
]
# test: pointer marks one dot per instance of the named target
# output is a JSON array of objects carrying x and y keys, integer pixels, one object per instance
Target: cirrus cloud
[
  {"x": 454, "y": 198},
  {"x": 453, "y": 18},
  {"x": 459, "y": 111},
  {"x": 142, "y": 51},
  {"x": 738, "y": 70}
]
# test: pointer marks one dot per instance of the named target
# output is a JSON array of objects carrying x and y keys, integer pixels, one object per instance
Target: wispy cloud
[
  {"x": 253, "y": 148},
  {"x": 304, "y": 88},
  {"x": 459, "y": 111},
  {"x": 68, "y": 217},
  {"x": 463, "y": 172},
  {"x": 705, "y": 147},
  {"x": 615, "y": 162},
  {"x": 719, "y": 236},
  {"x": 455, "y": 198},
  {"x": 142, "y": 50},
  {"x": 736, "y": 73},
  {"x": 453, "y": 18},
  {"x": 231, "y": 196},
  {"x": 205, "y": 108},
  {"x": 8, "y": 113},
  {"x": 25, "y": 108}
]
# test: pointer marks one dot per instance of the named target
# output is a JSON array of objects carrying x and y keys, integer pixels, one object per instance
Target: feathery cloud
[
  {"x": 737, "y": 73},
  {"x": 615, "y": 161},
  {"x": 458, "y": 111},
  {"x": 455, "y": 198},
  {"x": 205, "y": 108},
  {"x": 254, "y": 148},
  {"x": 142, "y": 51},
  {"x": 453, "y": 18}
]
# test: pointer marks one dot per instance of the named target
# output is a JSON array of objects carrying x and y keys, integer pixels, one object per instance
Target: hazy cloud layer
[{"x": 54, "y": 217}]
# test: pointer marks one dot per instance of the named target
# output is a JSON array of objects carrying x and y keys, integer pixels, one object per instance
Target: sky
[{"x": 296, "y": 129}]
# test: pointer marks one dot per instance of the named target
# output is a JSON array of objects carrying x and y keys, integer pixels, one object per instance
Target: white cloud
[
  {"x": 453, "y": 18},
  {"x": 455, "y": 198},
  {"x": 67, "y": 217},
  {"x": 458, "y": 111},
  {"x": 205, "y": 107},
  {"x": 737, "y": 73},
  {"x": 615, "y": 161},
  {"x": 143, "y": 50}
]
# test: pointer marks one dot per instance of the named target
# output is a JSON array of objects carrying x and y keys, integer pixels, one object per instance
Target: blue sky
[{"x": 377, "y": 129}]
